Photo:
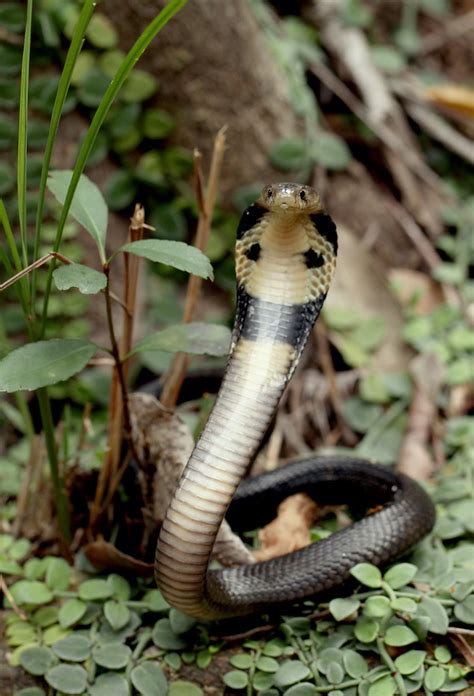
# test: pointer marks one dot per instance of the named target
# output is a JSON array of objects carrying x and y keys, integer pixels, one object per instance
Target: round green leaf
[
  {"x": 138, "y": 86},
  {"x": 173, "y": 660},
  {"x": 74, "y": 648},
  {"x": 58, "y": 574},
  {"x": 94, "y": 589},
  {"x": 112, "y": 655},
  {"x": 69, "y": 679},
  {"x": 46, "y": 616},
  {"x": 84, "y": 63},
  {"x": 88, "y": 205},
  {"x": 236, "y": 679},
  {"x": 290, "y": 154},
  {"x": 398, "y": 636},
  {"x": 149, "y": 680},
  {"x": 169, "y": 222},
  {"x": 435, "y": 611},
  {"x": 331, "y": 151},
  {"x": 71, "y": 612},
  {"x": 267, "y": 664},
  {"x": 110, "y": 684},
  {"x": 120, "y": 190},
  {"x": 377, "y": 607},
  {"x": 101, "y": 32},
  {"x": 120, "y": 586},
  {"x": 155, "y": 601},
  {"x": 184, "y": 688},
  {"x": 75, "y": 275},
  {"x": 93, "y": 87},
  {"x": 117, "y": 614},
  {"x": 54, "y": 633},
  {"x": 196, "y": 338},
  {"x": 274, "y": 648},
  {"x": 164, "y": 637},
  {"x": 157, "y": 124},
  {"x": 37, "y": 661},
  {"x": 180, "y": 623},
  {"x": 399, "y": 575},
  {"x": 177, "y": 254},
  {"x": 366, "y": 629},
  {"x": 354, "y": 664},
  {"x": 388, "y": 59},
  {"x": 48, "y": 362},
  {"x": 464, "y": 611},
  {"x": 410, "y": 661},
  {"x": 404, "y": 605},
  {"x": 383, "y": 687},
  {"x": 31, "y": 592},
  {"x": 342, "y": 608},
  {"x": 291, "y": 672},
  {"x": 8, "y": 567},
  {"x": 434, "y": 678},
  {"x": 304, "y": 689},
  {"x": 149, "y": 170},
  {"x": 241, "y": 661},
  {"x": 442, "y": 654},
  {"x": 367, "y": 574}
]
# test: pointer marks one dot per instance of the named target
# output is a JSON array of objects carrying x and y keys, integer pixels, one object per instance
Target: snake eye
[{"x": 303, "y": 195}]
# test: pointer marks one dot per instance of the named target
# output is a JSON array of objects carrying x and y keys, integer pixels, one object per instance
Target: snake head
[{"x": 290, "y": 197}]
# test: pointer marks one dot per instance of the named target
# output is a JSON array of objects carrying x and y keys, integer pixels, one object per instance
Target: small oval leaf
[
  {"x": 177, "y": 254},
  {"x": 76, "y": 275}
]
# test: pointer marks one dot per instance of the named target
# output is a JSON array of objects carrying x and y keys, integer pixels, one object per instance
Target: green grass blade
[
  {"x": 108, "y": 99},
  {"x": 63, "y": 89},
  {"x": 14, "y": 267},
  {"x": 22, "y": 131}
]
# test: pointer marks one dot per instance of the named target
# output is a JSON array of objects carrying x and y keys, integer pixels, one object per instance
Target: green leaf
[
  {"x": 410, "y": 661},
  {"x": 69, "y": 679},
  {"x": 169, "y": 222},
  {"x": 120, "y": 191},
  {"x": 236, "y": 679},
  {"x": 342, "y": 608},
  {"x": 76, "y": 275},
  {"x": 464, "y": 611},
  {"x": 120, "y": 586},
  {"x": 241, "y": 661},
  {"x": 398, "y": 636},
  {"x": 19, "y": 549},
  {"x": 388, "y": 59},
  {"x": 117, "y": 614},
  {"x": 112, "y": 655},
  {"x": 9, "y": 567},
  {"x": 174, "y": 661},
  {"x": 38, "y": 660},
  {"x": 149, "y": 679},
  {"x": 197, "y": 338},
  {"x": 177, "y": 254},
  {"x": 435, "y": 611},
  {"x": 184, "y": 688},
  {"x": 110, "y": 684},
  {"x": 303, "y": 689},
  {"x": 267, "y": 664},
  {"x": 94, "y": 589},
  {"x": 373, "y": 389},
  {"x": 377, "y": 607},
  {"x": 30, "y": 691},
  {"x": 93, "y": 87},
  {"x": 74, "y": 648},
  {"x": 359, "y": 414},
  {"x": 291, "y": 672},
  {"x": 180, "y": 623},
  {"x": 101, "y": 32},
  {"x": 88, "y": 206},
  {"x": 354, "y": 664},
  {"x": 86, "y": 60},
  {"x": 442, "y": 654},
  {"x": 434, "y": 678},
  {"x": 155, "y": 601},
  {"x": 157, "y": 124},
  {"x": 404, "y": 605},
  {"x": 139, "y": 86},
  {"x": 12, "y": 17},
  {"x": 31, "y": 592},
  {"x": 58, "y": 574},
  {"x": 289, "y": 154},
  {"x": 330, "y": 151},
  {"x": 399, "y": 575},
  {"x": 383, "y": 687},
  {"x": 71, "y": 612},
  {"x": 274, "y": 648},
  {"x": 164, "y": 637},
  {"x": 366, "y": 629},
  {"x": 48, "y": 362},
  {"x": 367, "y": 574}
]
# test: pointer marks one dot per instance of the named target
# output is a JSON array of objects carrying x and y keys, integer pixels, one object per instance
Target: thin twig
[
  {"x": 4, "y": 588},
  {"x": 179, "y": 365},
  {"x": 36, "y": 264}
]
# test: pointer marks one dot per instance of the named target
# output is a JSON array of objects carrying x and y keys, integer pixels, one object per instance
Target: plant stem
[
  {"x": 22, "y": 131},
  {"x": 56, "y": 478}
]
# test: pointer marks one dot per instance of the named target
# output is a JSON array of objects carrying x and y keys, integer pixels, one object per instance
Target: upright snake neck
[{"x": 285, "y": 259}]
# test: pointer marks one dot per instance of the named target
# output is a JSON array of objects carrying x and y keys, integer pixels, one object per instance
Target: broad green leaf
[
  {"x": 74, "y": 648},
  {"x": 30, "y": 592},
  {"x": 164, "y": 637},
  {"x": 177, "y": 254},
  {"x": 388, "y": 59},
  {"x": 291, "y": 672},
  {"x": 149, "y": 680},
  {"x": 112, "y": 655},
  {"x": 48, "y": 362},
  {"x": 69, "y": 679},
  {"x": 184, "y": 688},
  {"x": 88, "y": 205},
  {"x": 110, "y": 684},
  {"x": 404, "y": 605},
  {"x": 383, "y": 687},
  {"x": 330, "y": 151},
  {"x": 267, "y": 664},
  {"x": 46, "y": 616},
  {"x": 355, "y": 664},
  {"x": 464, "y": 611},
  {"x": 196, "y": 338},
  {"x": 180, "y": 623},
  {"x": 9, "y": 567},
  {"x": 398, "y": 636},
  {"x": 157, "y": 124},
  {"x": 400, "y": 574},
  {"x": 290, "y": 154},
  {"x": 241, "y": 661},
  {"x": 101, "y": 32},
  {"x": 377, "y": 607},
  {"x": 359, "y": 414},
  {"x": 235, "y": 679},
  {"x": 120, "y": 586},
  {"x": 435, "y": 611},
  {"x": 58, "y": 574},
  {"x": 366, "y": 629},
  {"x": 434, "y": 678},
  {"x": 95, "y": 589},
  {"x": 367, "y": 574},
  {"x": 139, "y": 86},
  {"x": 342, "y": 608},
  {"x": 76, "y": 275},
  {"x": 37, "y": 661},
  {"x": 410, "y": 661},
  {"x": 71, "y": 612},
  {"x": 117, "y": 614}
]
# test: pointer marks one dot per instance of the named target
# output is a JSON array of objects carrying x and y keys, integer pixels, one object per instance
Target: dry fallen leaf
[
  {"x": 105, "y": 556},
  {"x": 290, "y": 530},
  {"x": 458, "y": 98}
]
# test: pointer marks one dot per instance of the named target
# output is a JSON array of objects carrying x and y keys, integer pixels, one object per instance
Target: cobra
[{"x": 285, "y": 259}]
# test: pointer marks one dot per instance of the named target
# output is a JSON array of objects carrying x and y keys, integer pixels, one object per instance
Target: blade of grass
[
  {"x": 22, "y": 131},
  {"x": 123, "y": 72},
  {"x": 61, "y": 94},
  {"x": 23, "y": 285}
]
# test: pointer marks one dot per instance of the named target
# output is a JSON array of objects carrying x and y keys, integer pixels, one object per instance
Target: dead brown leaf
[
  {"x": 105, "y": 556},
  {"x": 458, "y": 98},
  {"x": 290, "y": 530}
]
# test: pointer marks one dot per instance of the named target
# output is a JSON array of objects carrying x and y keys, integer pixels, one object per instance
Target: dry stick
[
  {"x": 179, "y": 365},
  {"x": 37, "y": 264},
  {"x": 4, "y": 588}
]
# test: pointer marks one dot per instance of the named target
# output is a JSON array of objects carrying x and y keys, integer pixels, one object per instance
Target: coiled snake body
[{"x": 285, "y": 259}]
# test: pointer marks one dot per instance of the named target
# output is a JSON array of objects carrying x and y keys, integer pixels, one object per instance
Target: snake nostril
[{"x": 303, "y": 195}]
